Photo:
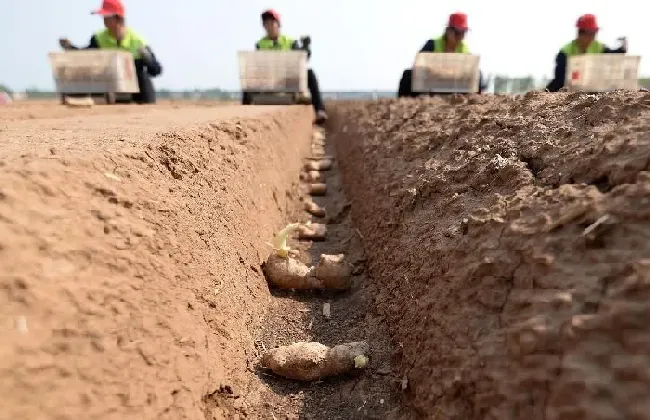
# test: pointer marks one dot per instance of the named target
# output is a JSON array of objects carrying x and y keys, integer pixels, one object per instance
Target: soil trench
[{"x": 298, "y": 316}]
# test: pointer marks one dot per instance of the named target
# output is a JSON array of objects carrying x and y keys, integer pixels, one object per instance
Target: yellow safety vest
[
  {"x": 131, "y": 42},
  {"x": 572, "y": 48},
  {"x": 439, "y": 46},
  {"x": 282, "y": 43}
]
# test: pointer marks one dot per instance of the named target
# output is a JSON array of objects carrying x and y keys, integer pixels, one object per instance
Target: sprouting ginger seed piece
[
  {"x": 280, "y": 240},
  {"x": 360, "y": 362}
]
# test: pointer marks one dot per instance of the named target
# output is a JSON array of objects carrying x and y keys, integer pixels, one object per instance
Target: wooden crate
[
  {"x": 94, "y": 71},
  {"x": 273, "y": 71},
  {"x": 602, "y": 72},
  {"x": 445, "y": 73}
]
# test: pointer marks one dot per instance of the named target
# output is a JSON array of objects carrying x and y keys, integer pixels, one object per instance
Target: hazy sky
[{"x": 357, "y": 44}]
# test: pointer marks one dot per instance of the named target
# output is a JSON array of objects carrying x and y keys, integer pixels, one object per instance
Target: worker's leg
[
  {"x": 147, "y": 94},
  {"x": 482, "y": 83},
  {"x": 246, "y": 98},
  {"x": 314, "y": 90},
  {"x": 404, "y": 89}
]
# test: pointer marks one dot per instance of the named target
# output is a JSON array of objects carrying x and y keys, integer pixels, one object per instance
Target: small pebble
[
  {"x": 21, "y": 324},
  {"x": 327, "y": 310},
  {"x": 112, "y": 176}
]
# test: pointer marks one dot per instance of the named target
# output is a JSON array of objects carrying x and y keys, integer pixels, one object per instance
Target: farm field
[{"x": 498, "y": 248}]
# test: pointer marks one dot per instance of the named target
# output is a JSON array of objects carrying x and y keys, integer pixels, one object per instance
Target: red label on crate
[{"x": 575, "y": 75}]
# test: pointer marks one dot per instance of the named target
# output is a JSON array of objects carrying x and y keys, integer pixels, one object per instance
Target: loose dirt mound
[
  {"x": 509, "y": 240},
  {"x": 130, "y": 248}
]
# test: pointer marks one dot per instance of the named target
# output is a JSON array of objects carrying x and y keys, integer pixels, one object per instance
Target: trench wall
[
  {"x": 507, "y": 243},
  {"x": 130, "y": 251}
]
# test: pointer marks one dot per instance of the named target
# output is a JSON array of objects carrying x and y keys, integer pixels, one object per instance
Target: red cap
[
  {"x": 271, "y": 14},
  {"x": 587, "y": 22},
  {"x": 110, "y": 8},
  {"x": 458, "y": 21}
]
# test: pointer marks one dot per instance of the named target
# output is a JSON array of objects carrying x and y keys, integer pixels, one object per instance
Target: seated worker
[
  {"x": 118, "y": 36},
  {"x": 450, "y": 42},
  {"x": 275, "y": 41},
  {"x": 585, "y": 43}
]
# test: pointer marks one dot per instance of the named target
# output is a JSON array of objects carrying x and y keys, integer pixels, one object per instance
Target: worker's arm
[
  {"x": 147, "y": 93},
  {"x": 146, "y": 67},
  {"x": 298, "y": 46},
  {"x": 154, "y": 68},
  {"x": 429, "y": 47},
  {"x": 68, "y": 46},
  {"x": 148, "y": 58},
  {"x": 560, "y": 73},
  {"x": 620, "y": 50}
]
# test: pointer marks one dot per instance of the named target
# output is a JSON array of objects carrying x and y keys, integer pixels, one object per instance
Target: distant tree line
[
  {"x": 504, "y": 84},
  {"x": 500, "y": 84}
]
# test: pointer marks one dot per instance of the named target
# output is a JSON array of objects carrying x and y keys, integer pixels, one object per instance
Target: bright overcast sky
[{"x": 357, "y": 44}]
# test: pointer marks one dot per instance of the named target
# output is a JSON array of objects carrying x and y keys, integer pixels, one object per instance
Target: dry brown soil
[
  {"x": 131, "y": 239},
  {"x": 130, "y": 246},
  {"x": 50, "y": 108},
  {"x": 508, "y": 247},
  {"x": 501, "y": 256}
]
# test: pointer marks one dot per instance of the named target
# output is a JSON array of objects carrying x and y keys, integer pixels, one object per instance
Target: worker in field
[
  {"x": 274, "y": 40},
  {"x": 117, "y": 35},
  {"x": 452, "y": 41},
  {"x": 585, "y": 43}
]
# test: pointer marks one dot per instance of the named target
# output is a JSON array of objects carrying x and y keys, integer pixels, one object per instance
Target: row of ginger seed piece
[{"x": 311, "y": 361}]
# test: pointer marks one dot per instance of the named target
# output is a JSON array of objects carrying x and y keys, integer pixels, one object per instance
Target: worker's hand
[
  {"x": 144, "y": 52},
  {"x": 65, "y": 43},
  {"x": 306, "y": 41}
]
